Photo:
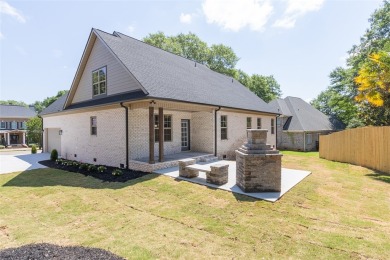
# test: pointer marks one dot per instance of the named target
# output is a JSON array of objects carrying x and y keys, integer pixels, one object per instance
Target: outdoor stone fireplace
[{"x": 258, "y": 166}]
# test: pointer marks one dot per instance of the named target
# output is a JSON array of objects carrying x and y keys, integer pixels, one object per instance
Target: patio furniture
[
  {"x": 215, "y": 174},
  {"x": 183, "y": 171}
]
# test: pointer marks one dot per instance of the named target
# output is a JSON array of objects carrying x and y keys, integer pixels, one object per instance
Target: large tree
[
  {"x": 40, "y": 105},
  {"x": 345, "y": 98}
]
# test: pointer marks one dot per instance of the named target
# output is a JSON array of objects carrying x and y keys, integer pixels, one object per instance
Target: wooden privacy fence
[{"x": 366, "y": 146}]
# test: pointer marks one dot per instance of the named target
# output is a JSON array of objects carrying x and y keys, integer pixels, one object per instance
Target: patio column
[
  {"x": 8, "y": 143},
  {"x": 24, "y": 138},
  {"x": 151, "y": 134},
  {"x": 161, "y": 134}
]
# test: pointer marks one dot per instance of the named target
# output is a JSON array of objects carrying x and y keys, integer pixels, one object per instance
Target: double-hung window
[
  {"x": 3, "y": 125},
  {"x": 258, "y": 123},
  {"x": 93, "y": 125},
  {"x": 272, "y": 126},
  {"x": 249, "y": 123},
  {"x": 99, "y": 81},
  {"x": 167, "y": 124},
  {"x": 224, "y": 135}
]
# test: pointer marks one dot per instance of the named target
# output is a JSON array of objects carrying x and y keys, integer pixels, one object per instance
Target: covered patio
[{"x": 290, "y": 178}]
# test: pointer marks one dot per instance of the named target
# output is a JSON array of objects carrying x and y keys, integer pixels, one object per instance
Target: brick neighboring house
[
  {"x": 133, "y": 104},
  {"x": 300, "y": 125},
  {"x": 13, "y": 126}
]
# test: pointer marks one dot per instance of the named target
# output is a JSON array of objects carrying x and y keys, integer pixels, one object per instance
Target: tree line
[
  {"x": 217, "y": 57},
  {"x": 359, "y": 94}
]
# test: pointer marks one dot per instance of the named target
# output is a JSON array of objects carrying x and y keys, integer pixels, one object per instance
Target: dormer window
[{"x": 99, "y": 81}]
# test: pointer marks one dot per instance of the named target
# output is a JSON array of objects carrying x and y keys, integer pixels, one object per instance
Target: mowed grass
[{"x": 339, "y": 211}]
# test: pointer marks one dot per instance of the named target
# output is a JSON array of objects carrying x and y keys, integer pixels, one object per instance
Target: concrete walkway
[
  {"x": 290, "y": 178},
  {"x": 18, "y": 161}
]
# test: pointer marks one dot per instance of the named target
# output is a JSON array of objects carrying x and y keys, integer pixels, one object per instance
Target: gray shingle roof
[
  {"x": 304, "y": 117},
  {"x": 280, "y": 105},
  {"x": 56, "y": 106},
  {"x": 168, "y": 76},
  {"x": 9, "y": 111}
]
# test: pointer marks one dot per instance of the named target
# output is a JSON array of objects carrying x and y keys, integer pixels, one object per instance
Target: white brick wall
[
  {"x": 236, "y": 123},
  {"x": 108, "y": 146}
]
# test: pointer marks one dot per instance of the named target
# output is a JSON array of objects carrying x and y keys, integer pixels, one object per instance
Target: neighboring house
[
  {"x": 130, "y": 101},
  {"x": 13, "y": 126},
  {"x": 300, "y": 125}
]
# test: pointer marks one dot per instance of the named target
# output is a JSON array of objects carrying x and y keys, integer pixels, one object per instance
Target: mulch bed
[
  {"x": 50, "y": 251},
  {"x": 104, "y": 176}
]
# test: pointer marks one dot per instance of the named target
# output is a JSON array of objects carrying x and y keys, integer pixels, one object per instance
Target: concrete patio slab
[
  {"x": 21, "y": 162},
  {"x": 290, "y": 178}
]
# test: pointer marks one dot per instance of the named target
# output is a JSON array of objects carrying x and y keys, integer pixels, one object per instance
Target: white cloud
[
  {"x": 7, "y": 9},
  {"x": 185, "y": 18},
  {"x": 296, "y": 9},
  {"x": 236, "y": 14},
  {"x": 130, "y": 28}
]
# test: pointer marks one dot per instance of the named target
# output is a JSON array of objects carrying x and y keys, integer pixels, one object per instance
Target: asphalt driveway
[{"x": 16, "y": 161}]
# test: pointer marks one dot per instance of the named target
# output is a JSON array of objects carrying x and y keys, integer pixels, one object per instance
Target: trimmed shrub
[
  {"x": 84, "y": 166},
  {"x": 54, "y": 155},
  {"x": 33, "y": 149},
  {"x": 92, "y": 168},
  {"x": 30, "y": 145},
  {"x": 117, "y": 172},
  {"x": 101, "y": 169}
]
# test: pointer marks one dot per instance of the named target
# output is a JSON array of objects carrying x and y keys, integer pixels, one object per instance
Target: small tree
[
  {"x": 34, "y": 130},
  {"x": 54, "y": 155}
]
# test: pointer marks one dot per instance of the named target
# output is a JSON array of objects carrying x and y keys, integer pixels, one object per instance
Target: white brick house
[{"x": 123, "y": 88}]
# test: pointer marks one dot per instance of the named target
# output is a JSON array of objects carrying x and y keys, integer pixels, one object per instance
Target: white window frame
[
  {"x": 98, "y": 82},
  {"x": 249, "y": 123},
  {"x": 3, "y": 125},
  {"x": 258, "y": 120},
  {"x": 272, "y": 126},
  {"x": 92, "y": 125},
  {"x": 224, "y": 127},
  {"x": 157, "y": 126}
]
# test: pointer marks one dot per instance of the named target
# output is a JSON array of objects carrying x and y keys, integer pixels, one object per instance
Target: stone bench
[
  {"x": 216, "y": 174},
  {"x": 184, "y": 172}
]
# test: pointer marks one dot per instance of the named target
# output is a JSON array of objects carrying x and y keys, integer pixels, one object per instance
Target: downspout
[
  {"x": 215, "y": 130},
  {"x": 127, "y": 134},
  {"x": 276, "y": 136}
]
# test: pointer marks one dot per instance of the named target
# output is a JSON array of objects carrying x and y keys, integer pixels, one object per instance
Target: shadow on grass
[
  {"x": 54, "y": 177},
  {"x": 380, "y": 176}
]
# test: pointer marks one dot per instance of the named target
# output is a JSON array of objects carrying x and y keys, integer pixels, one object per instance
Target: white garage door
[{"x": 53, "y": 140}]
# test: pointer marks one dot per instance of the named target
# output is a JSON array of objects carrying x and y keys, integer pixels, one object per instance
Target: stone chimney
[{"x": 258, "y": 166}]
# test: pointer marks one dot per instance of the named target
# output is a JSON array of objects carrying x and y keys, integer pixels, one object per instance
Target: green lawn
[{"x": 339, "y": 211}]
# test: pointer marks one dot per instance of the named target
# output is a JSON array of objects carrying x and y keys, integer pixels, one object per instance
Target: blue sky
[{"x": 298, "y": 41}]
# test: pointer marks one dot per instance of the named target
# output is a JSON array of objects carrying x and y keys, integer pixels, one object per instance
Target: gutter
[
  {"x": 215, "y": 130},
  {"x": 127, "y": 134}
]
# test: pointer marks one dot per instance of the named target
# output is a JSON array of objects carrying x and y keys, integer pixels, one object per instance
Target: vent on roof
[{"x": 195, "y": 64}]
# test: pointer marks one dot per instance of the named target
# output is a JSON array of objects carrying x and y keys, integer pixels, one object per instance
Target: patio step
[{"x": 208, "y": 158}]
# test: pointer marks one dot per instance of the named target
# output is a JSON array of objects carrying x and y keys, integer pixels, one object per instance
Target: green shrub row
[{"x": 87, "y": 167}]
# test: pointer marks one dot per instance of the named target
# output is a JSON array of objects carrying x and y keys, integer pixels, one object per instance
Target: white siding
[{"x": 119, "y": 80}]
